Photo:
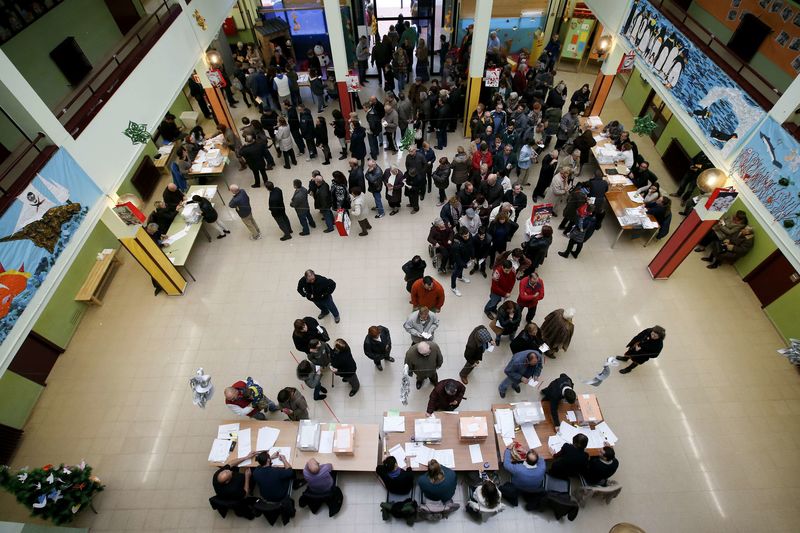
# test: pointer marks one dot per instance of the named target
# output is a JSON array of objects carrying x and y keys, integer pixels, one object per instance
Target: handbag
[
  {"x": 418, "y": 134},
  {"x": 577, "y": 234}
]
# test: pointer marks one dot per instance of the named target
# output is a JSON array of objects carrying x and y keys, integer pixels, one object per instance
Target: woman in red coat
[{"x": 531, "y": 290}]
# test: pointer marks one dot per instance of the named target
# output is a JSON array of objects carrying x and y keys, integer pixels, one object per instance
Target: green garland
[
  {"x": 643, "y": 125},
  {"x": 52, "y": 493}
]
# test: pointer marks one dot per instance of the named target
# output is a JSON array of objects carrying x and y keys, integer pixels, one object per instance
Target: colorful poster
[
  {"x": 721, "y": 109},
  {"x": 492, "y": 78},
  {"x": 626, "y": 63},
  {"x": 35, "y": 230},
  {"x": 577, "y": 38},
  {"x": 770, "y": 165}
]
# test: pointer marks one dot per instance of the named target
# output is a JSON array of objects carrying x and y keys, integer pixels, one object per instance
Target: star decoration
[
  {"x": 137, "y": 133},
  {"x": 75, "y": 508},
  {"x": 41, "y": 502},
  {"x": 66, "y": 470},
  {"x": 82, "y": 465}
]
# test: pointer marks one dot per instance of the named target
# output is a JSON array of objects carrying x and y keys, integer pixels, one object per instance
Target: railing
[
  {"x": 21, "y": 167},
  {"x": 94, "y": 93},
  {"x": 759, "y": 88}
]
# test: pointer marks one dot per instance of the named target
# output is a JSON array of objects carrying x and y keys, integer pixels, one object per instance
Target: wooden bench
[{"x": 98, "y": 279}]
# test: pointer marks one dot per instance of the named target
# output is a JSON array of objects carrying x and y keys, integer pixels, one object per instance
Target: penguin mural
[
  {"x": 666, "y": 48},
  {"x": 655, "y": 46},
  {"x": 647, "y": 34},
  {"x": 628, "y": 27},
  {"x": 675, "y": 71},
  {"x": 673, "y": 55},
  {"x": 638, "y": 23}
]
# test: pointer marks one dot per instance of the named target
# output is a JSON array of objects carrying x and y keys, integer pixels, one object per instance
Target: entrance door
[
  {"x": 35, "y": 358},
  {"x": 657, "y": 110},
  {"x": 426, "y": 16},
  {"x": 772, "y": 278}
]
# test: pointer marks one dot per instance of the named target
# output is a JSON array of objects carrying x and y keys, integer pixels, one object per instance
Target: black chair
[
  {"x": 332, "y": 498},
  {"x": 283, "y": 509},
  {"x": 244, "y": 508}
]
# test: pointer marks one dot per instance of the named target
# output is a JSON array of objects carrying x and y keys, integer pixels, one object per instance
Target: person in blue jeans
[
  {"x": 319, "y": 290},
  {"x": 524, "y": 367},
  {"x": 321, "y": 192},
  {"x": 374, "y": 177},
  {"x": 299, "y": 202}
]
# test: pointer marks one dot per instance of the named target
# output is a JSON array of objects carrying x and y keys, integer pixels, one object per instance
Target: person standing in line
[
  {"x": 199, "y": 94},
  {"x": 374, "y": 178},
  {"x": 424, "y": 360},
  {"x": 317, "y": 89},
  {"x": 304, "y": 330},
  {"x": 557, "y": 330},
  {"x": 319, "y": 290},
  {"x": 546, "y": 173},
  {"x": 323, "y": 201},
  {"x": 241, "y": 203},
  {"x": 281, "y": 86},
  {"x": 446, "y": 396},
  {"x": 378, "y": 345},
  {"x": 312, "y": 377},
  {"x": 321, "y": 139},
  {"x": 479, "y": 340},
  {"x": 293, "y": 404},
  {"x": 579, "y": 234},
  {"x": 460, "y": 255},
  {"x": 509, "y": 316},
  {"x": 394, "y": 180},
  {"x": 524, "y": 367},
  {"x": 278, "y": 210},
  {"x": 255, "y": 155},
  {"x": 293, "y": 120},
  {"x": 375, "y": 112},
  {"x": 427, "y": 292},
  {"x": 284, "y": 139},
  {"x": 413, "y": 270},
  {"x": 307, "y": 131},
  {"x": 527, "y": 157},
  {"x": 421, "y": 325},
  {"x": 390, "y": 125},
  {"x": 339, "y": 130},
  {"x": 362, "y": 57},
  {"x": 299, "y": 203},
  {"x": 358, "y": 148},
  {"x": 531, "y": 292},
  {"x": 643, "y": 347},
  {"x": 344, "y": 366},
  {"x": 358, "y": 211},
  {"x": 503, "y": 280}
]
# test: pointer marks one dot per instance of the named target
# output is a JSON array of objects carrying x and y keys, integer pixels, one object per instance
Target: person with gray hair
[
  {"x": 394, "y": 180},
  {"x": 557, "y": 330},
  {"x": 421, "y": 325},
  {"x": 241, "y": 203},
  {"x": 446, "y": 396},
  {"x": 423, "y": 360}
]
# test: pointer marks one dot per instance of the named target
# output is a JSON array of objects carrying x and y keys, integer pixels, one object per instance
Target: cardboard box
[
  {"x": 590, "y": 409},
  {"x": 344, "y": 439},
  {"x": 308, "y": 433},
  {"x": 528, "y": 413},
  {"x": 427, "y": 430},
  {"x": 473, "y": 428}
]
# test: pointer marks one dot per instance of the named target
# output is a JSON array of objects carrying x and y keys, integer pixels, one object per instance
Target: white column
[
  {"x": 613, "y": 57},
  {"x": 333, "y": 17},
  {"x": 788, "y": 102},
  {"x": 480, "y": 37}
]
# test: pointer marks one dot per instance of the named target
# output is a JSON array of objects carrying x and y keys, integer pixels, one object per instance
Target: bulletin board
[{"x": 577, "y": 38}]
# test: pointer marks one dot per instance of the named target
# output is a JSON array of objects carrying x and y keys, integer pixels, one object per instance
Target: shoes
[
  {"x": 304, "y": 233},
  {"x": 379, "y": 367},
  {"x": 550, "y": 355},
  {"x": 699, "y": 248},
  {"x": 623, "y": 358},
  {"x": 327, "y": 230},
  {"x": 255, "y": 238},
  {"x": 353, "y": 392},
  {"x": 706, "y": 259},
  {"x": 563, "y": 254},
  {"x": 465, "y": 280},
  {"x": 308, "y": 159},
  {"x": 286, "y": 237},
  {"x": 489, "y": 314},
  {"x": 321, "y": 397},
  {"x": 464, "y": 379},
  {"x": 414, "y": 210},
  {"x": 343, "y": 157},
  {"x": 336, "y": 319},
  {"x": 323, "y": 389},
  {"x": 322, "y": 315},
  {"x": 157, "y": 291},
  {"x": 502, "y": 394},
  {"x": 221, "y": 236},
  {"x": 380, "y": 215},
  {"x": 226, "y": 231},
  {"x": 326, "y": 162},
  {"x": 456, "y": 291},
  {"x": 256, "y": 185},
  {"x": 472, "y": 271},
  {"x": 390, "y": 359},
  {"x": 393, "y": 212},
  {"x": 287, "y": 167},
  {"x": 438, "y": 148},
  {"x": 419, "y": 385},
  {"x": 483, "y": 273},
  {"x": 516, "y": 388},
  {"x": 713, "y": 265},
  {"x": 626, "y": 370},
  {"x": 363, "y": 234},
  {"x": 270, "y": 167}
]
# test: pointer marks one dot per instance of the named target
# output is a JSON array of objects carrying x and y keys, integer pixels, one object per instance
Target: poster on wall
[
  {"x": 492, "y": 78},
  {"x": 721, "y": 109},
  {"x": 577, "y": 38},
  {"x": 36, "y": 228},
  {"x": 770, "y": 165},
  {"x": 626, "y": 63}
]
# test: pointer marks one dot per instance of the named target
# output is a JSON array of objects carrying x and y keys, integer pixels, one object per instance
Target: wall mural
[
  {"x": 770, "y": 166},
  {"x": 719, "y": 106},
  {"x": 35, "y": 230}
]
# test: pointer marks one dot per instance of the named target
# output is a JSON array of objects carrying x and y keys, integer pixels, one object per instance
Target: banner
[
  {"x": 626, "y": 63},
  {"x": 721, "y": 109},
  {"x": 35, "y": 230},
  {"x": 770, "y": 165}
]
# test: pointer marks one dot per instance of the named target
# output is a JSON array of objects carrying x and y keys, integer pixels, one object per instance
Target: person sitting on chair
[
  {"x": 526, "y": 475},
  {"x": 486, "y": 499},
  {"x": 601, "y": 468},
  {"x": 319, "y": 477},
  {"x": 572, "y": 460},
  {"x": 273, "y": 482},
  {"x": 439, "y": 482},
  {"x": 230, "y": 483},
  {"x": 397, "y": 480}
]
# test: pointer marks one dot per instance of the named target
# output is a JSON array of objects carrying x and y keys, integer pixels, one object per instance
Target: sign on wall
[
  {"x": 722, "y": 110},
  {"x": 35, "y": 230},
  {"x": 577, "y": 38},
  {"x": 770, "y": 165}
]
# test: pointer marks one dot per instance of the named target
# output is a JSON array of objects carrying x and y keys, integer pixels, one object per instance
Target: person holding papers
[
  {"x": 423, "y": 360},
  {"x": 601, "y": 468},
  {"x": 344, "y": 366},
  {"x": 273, "y": 482},
  {"x": 306, "y": 329},
  {"x": 293, "y": 404},
  {"x": 446, "y": 396},
  {"x": 230, "y": 483},
  {"x": 478, "y": 342},
  {"x": 561, "y": 388},
  {"x": 396, "y": 479},
  {"x": 524, "y": 367},
  {"x": 527, "y": 476},
  {"x": 247, "y": 398},
  {"x": 572, "y": 459},
  {"x": 421, "y": 325},
  {"x": 378, "y": 345},
  {"x": 438, "y": 483}
]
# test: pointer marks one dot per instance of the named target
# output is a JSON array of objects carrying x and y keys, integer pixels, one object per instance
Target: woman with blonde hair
[{"x": 439, "y": 482}]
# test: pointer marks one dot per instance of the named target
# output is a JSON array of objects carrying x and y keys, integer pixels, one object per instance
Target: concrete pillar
[
  {"x": 477, "y": 57},
  {"x": 605, "y": 79},
  {"x": 787, "y": 104},
  {"x": 333, "y": 17}
]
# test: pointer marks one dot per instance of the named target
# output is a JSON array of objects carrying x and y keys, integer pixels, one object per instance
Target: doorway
[
  {"x": 656, "y": 109},
  {"x": 772, "y": 278}
]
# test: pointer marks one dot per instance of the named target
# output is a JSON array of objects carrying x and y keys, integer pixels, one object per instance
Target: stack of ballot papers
[
  {"x": 227, "y": 431},
  {"x": 244, "y": 446},
  {"x": 568, "y": 431},
  {"x": 555, "y": 443},
  {"x": 266, "y": 437},
  {"x": 616, "y": 179},
  {"x": 505, "y": 420},
  {"x": 220, "y": 449},
  {"x": 530, "y": 435},
  {"x": 419, "y": 454},
  {"x": 594, "y": 122},
  {"x": 394, "y": 424},
  {"x": 635, "y": 197}
]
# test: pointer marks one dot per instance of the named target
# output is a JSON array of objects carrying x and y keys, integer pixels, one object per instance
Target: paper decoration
[{"x": 137, "y": 133}]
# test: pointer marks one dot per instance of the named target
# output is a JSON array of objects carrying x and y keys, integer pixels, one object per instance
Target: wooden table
[
  {"x": 450, "y": 439},
  {"x": 210, "y": 171},
  {"x": 166, "y": 151},
  {"x": 618, "y": 201},
  {"x": 178, "y": 252},
  {"x": 364, "y": 458},
  {"x": 98, "y": 279},
  {"x": 544, "y": 430}
]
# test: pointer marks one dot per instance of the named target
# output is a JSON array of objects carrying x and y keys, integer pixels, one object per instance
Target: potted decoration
[
  {"x": 643, "y": 125},
  {"x": 53, "y": 493}
]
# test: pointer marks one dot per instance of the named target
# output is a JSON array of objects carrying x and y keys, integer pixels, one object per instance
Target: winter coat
[{"x": 424, "y": 366}]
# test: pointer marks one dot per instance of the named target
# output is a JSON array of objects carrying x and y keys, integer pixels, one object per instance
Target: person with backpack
[{"x": 209, "y": 214}]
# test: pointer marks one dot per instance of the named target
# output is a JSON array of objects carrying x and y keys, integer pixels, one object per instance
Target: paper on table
[
  {"x": 286, "y": 451},
  {"x": 445, "y": 457},
  {"x": 544, "y": 347},
  {"x": 635, "y": 197},
  {"x": 507, "y": 441},
  {"x": 571, "y": 416},
  {"x": 497, "y": 428},
  {"x": 607, "y": 433},
  {"x": 343, "y": 438},
  {"x": 596, "y": 439},
  {"x": 176, "y": 236},
  {"x": 210, "y": 192},
  {"x": 220, "y": 449},
  {"x": 394, "y": 424},
  {"x": 399, "y": 454},
  {"x": 506, "y": 420},
  {"x": 197, "y": 167},
  {"x": 207, "y": 170},
  {"x": 225, "y": 430},
  {"x": 326, "y": 442},
  {"x": 530, "y": 435},
  {"x": 266, "y": 438},
  {"x": 475, "y": 455},
  {"x": 555, "y": 443},
  {"x": 245, "y": 446},
  {"x": 567, "y": 431}
]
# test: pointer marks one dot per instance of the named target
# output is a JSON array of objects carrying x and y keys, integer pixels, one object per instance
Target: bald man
[
  {"x": 172, "y": 195},
  {"x": 241, "y": 202},
  {"x": 230, "y": 483},
  {"x": 424, "y": 360},
  {"x": 318, "y": 476}
]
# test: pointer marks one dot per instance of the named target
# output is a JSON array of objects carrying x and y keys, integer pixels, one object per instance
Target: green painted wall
[
  {"x": 675, "y": 129},
  {"x": 760, "y": 62},
  {"x": 89, "y": 21},
  {"x": 61, "y": 317},
  {"x": 180, "y": 105},
  {"x": 635, "y": 93},
  {"x": 127, "y": 187},
  {"x": 18, "y": 395},
  {"x": 762, "y": 246},
  {"x": 784, "y": 312}
]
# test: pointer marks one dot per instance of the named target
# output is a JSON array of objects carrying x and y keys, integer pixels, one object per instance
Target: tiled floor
[{"x": 709, "y": 433}]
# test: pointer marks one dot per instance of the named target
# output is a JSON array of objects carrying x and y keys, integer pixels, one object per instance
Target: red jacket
[
  {"x": 530, "y": 296},
  {"x": 480, "y": 157},
  {"x": 503, "y": 283},
  {"x": 241, "y": 406}
]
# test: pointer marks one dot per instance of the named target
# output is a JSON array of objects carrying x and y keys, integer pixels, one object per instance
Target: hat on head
[{"x": 470, "y": 212}]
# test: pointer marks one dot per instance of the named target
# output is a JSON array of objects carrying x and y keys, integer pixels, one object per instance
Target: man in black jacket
[
  {"x": 307, "y": 131},
  {"x": 321, "y": 192},
  {"x": 414, "y": 270},
  {"x": 559, "y": 389},
  {"x": 294, "y": 126},
  {"x": 375, "y": 113},
  {"x": 516, "y": 198},
  {"x": 355, "y": 178},
  {"x": 598, "y": 187},
  {"x": 572, "y": 460},
  {"x": 278, "y": 210},
  {"x": 319, "y": 290},
  {"x": 255, "y": 155}
]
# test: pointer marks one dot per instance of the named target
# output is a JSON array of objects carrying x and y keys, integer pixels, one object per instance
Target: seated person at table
[
  {"x": 659, "y": 209},
  {"x": 230, "y": 483},
  {"x": 446, "y": 396},
  {"x": 273, "y": 481},
  {"x": 168, "y": 129},
  {"x": 396, "y": 479},
  {"x": 163, "y": 215},
  {"x": 486, "y": 499},
  {"x": 641, "y": 175},
  {"x": 318, "y": 476},
  {"x": 572, "y": 460},
  {"x": 527, "y": 475},
  {"x": 438, "y": 483},
  {"x": 559, "y": 389},
  {"x": 601, "y": 468},
  {"x": 172, "y": 195}
]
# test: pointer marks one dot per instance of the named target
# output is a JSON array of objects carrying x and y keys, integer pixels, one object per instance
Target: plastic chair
[
  {"x": 608, "y": 492},
  {"x": 272, "y": 510},
  {"x": 480, "y": 516}
]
